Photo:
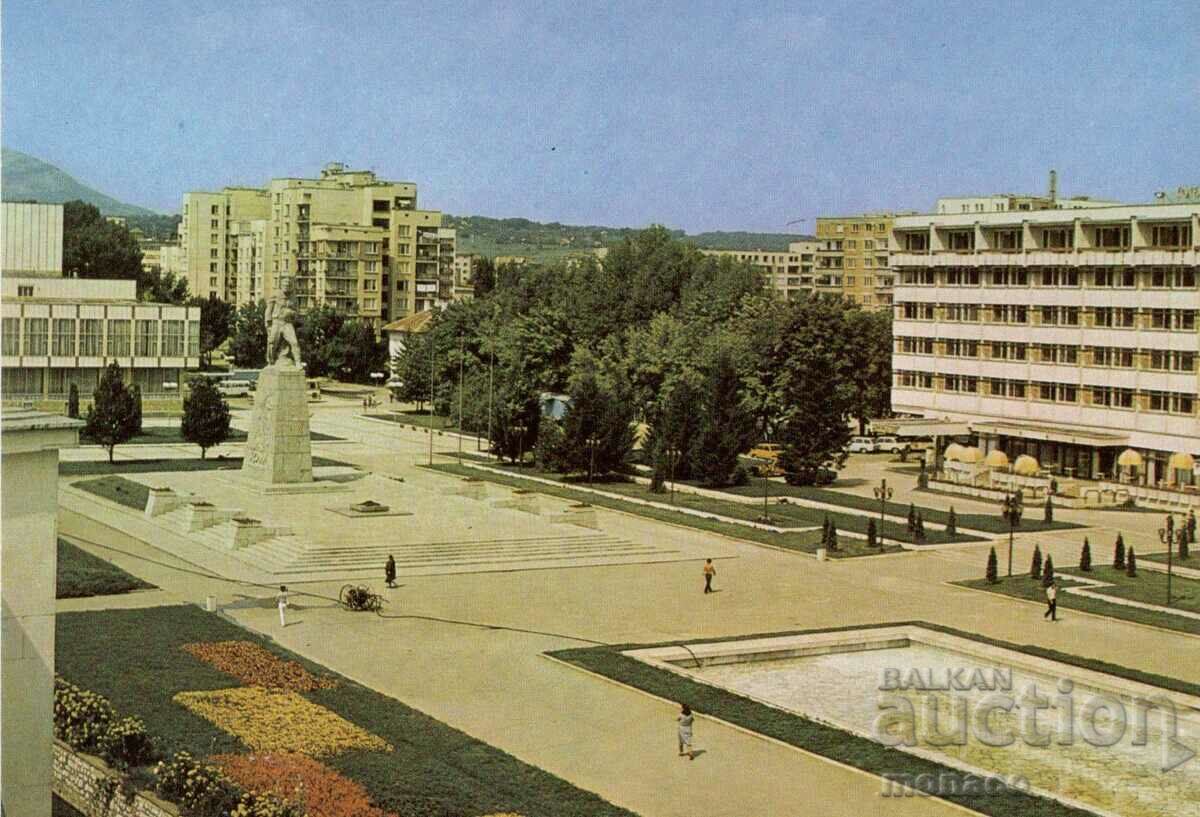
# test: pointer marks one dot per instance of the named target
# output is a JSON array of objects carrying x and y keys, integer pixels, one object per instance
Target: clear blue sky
[{"x": 700, "y": 116}]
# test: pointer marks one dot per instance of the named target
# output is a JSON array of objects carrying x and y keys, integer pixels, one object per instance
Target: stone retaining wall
[{"x": 78, "y": 779}]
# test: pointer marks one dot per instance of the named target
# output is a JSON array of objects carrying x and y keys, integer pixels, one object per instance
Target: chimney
[{"x": 1053, "y": 185}]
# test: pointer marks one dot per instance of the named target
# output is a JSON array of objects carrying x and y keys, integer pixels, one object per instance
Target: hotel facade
[{"x": 1067, "y": 335}]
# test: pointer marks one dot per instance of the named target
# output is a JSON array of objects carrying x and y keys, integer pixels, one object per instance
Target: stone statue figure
[{"x": 281, "y": 333}]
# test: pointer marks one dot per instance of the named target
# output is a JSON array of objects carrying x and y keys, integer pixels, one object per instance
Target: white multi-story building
[
  {"x": 1069, "y": 335},
  {"x": 790, "y": 273}
]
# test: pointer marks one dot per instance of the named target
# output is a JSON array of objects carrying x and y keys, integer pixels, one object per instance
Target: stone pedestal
[{"x": 278, "y": 451}]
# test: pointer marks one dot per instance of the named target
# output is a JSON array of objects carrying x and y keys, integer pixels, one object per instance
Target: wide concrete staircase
[{"x": 289, "y": 556}]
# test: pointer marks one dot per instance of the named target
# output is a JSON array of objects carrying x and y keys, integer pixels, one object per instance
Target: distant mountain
[
  {"x": 25, "y": 178},
  {"x": 541, "y": 241}
]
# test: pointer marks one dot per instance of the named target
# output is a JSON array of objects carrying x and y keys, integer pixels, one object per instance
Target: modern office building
[
  {"x": 790, "y": 273},
  {"x": 31, "y": 236},
  {"x": 344, "y": 238},
  {"x": 852, "y": 258},
  {"x": 1067, "y": 335},
  {"x": 59, "y": 331}
]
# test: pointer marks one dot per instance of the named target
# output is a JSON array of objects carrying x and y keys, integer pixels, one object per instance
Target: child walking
[
  {"x": 685, "y": 720},
  {"x": 282, "y": 602}
]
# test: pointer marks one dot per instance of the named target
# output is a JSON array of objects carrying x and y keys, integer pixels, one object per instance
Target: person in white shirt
[
  {"x": 282, "y": 601},
  {"x": 1051, "y": 602}
]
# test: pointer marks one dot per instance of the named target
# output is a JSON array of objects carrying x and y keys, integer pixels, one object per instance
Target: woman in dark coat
[{"x": 389, "y": 571}]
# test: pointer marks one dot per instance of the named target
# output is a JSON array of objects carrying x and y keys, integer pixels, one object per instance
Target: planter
[{"x": 82, "y": 781}]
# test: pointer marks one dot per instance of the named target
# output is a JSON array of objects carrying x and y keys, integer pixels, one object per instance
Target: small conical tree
[
  {"x": 872, "y": 534},
  {"x": 1119, "y": 553},
  {"x": 951, "y": 522},
  {"x": 205, "y": 416},
  {"x": 1049, "y": 510},
  {"x": 73, "y": 401},
  {"x": 919, "y": 529},
  {"x": 992, "y": 569},
  {"x": 912, "y": 518},
  {"x": 1035, "y": 567},
  {"x": 833, "y": 539},
  {"x": 825, "y": 526},
  {"x": 1048, "y": 572},
  {"x": 111, "y": 419},
  {"x": 1182, "y": 539},
  {"x": 1131, "y": 564},
  {"x": 1085, "y": 557}
]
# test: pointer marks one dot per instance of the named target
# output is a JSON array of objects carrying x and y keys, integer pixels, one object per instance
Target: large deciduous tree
[
  {"x": 114, "y": 416},
  {"x": 216, "y": 317},
  {"x": 248, "y": 336},
  {"x": 205, "y": 416},
  {"x": 726, "y": 428},
  {"x": 95, "y": 248}
]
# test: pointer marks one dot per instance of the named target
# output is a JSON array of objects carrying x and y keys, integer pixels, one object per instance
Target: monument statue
[{"x": 281, "y": 333}]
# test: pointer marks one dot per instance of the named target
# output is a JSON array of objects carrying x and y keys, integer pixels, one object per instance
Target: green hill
[
  {"x": 26, "y": 178},
  {"x": 545, "y": 242}
]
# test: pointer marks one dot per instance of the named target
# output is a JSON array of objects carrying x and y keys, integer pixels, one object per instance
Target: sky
[{"x": 700, "y": 116}]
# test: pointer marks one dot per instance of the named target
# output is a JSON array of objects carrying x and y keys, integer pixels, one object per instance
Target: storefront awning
[{"x": 1073, "y": 436}]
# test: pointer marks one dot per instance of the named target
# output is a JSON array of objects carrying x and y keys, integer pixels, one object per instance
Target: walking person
[
  {"x": 1051, "y": 602},
  {"x": 685, "y": 720},
  {"x": 710, "y": 570},
  {"x": 282, "y": 602},
  {"x": 389, "y": 571}
]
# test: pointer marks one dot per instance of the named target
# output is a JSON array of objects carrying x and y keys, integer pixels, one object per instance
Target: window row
[
  {"x": 1051, "y": 392},
  {"x": 1173, "y": 236},
  {"x": 1102, "y": 277},
  {"x": 1109, "y": 317},
  {"x": 87, "y": 337},
  {"x": 1106, "y": 356}
]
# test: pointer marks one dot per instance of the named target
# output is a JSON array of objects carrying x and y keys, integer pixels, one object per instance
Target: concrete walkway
[{"x": 495, "y": 684}]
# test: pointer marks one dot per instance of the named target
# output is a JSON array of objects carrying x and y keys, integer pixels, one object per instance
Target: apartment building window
[
  {"x": 1185, "y": 319},
  {"x": 956, "y": 347},
  {"x": 1057, "y": 392},
  {"x": 25, "y": 291},
  {"x": 960, "y": 383},
  {"x": 1112, "y": 356},
  {"x": 1173, "y": 278},
  {"x": 63, "y": 342},
  {"x": 1112, "y": 238},
  {"x": 1006, "y": 350},
  {"x": 962, "y": 277},
  {"x": 1008, "y": 240},
  {"x": 1010, "y": 313},
  {"x": 1159, "y": 400},
  {"x": 118, "y": 338},
  {"x": 1050, "y": 315},
  {"x": 868, "y": 244},
  {"x": 916, "y": 346},
  {"x": 214, "y": 238},
  {"x": 214, "y": 224},
  {"x": 1010, "y": 277},
  {"x": 920, "y": 277},
  {"x": 1112, "y": 397},
  {"x": 916, "y": 242},
  {"x": 146, "y": 344},
  {"x": 90, "y": 330},
  {"x": 1114, "y": 277},
  {"x": 1160, "y": 319},
  {"x": 12, "y": 336},
  {"x": 193, "y": 339},
  {"x": 1115, "y": 317},
  {"x": 371, "y": 248},
  {"x": 1048, "y": 353},
  {"x": 1016, "y": 388},
  {"x": 172, "y": 343},
  {"x": 1173, "y": 236},
  {"x": 215, "y": 209},
  {"x": 36, "y": 330},
  {"x": 1058, "y": 238},
  {"x": 997, "y": 387},
  {"x": 1059, "y": 277},
  {"x": 961, "y": 312},
  {"x": 960, "y": 240},
  {"x": 852, "y": 244}
]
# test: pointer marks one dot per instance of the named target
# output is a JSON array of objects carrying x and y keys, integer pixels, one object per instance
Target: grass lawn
[
  {"x": 1192, "y": 562},
  {"x": 829, "y": 741},
  {"x": 807, "y": 541},
  {"x": 117, "y": 489},
  {"x": 81, "y": 574},
  {"x": 95, "y": 467},
  {"x": 434, "y": 770},
  {"x": 169, "y": 435},
  {"x": 1032, "y": 520},
  {"x": 1149, "y": 587},
  {"x": 786, "y": 515}
]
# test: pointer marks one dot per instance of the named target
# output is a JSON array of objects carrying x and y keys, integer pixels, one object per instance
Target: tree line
[{"x": 696, "y": 351}]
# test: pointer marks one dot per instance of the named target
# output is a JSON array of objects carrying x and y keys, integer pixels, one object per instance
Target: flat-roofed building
[
  {"x": 852, "y": 258},
  {"x": 790, "y": 273},
  {"x": 59, "y": 331},
  {"x": 32, "y": 238},
  {"x": 1068, "y": 335}
]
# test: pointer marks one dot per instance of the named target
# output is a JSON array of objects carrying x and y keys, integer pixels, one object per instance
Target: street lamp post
[
  {"x": 765, "y": 466},
  {"x": 592, "y": 442},
  {"x": 673, "y": 455},
  {"x": 432, "y": 376},
  {"x": 1013, "y": 508},
  {"x": 460, "y": 397},
  {"x": 1167, "y": 537},
  {"x": 491, "y": 367},
  {"x": 884, "y": 494}
]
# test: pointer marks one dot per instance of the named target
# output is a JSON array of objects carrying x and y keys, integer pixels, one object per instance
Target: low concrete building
[
  {"x": 31, "y": 238},
  {"x": 29, "y": 443},
  {"x": 398, "y": 332}
]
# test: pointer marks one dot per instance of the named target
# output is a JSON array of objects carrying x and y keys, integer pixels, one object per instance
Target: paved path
[{"x": 495, "y": 684}]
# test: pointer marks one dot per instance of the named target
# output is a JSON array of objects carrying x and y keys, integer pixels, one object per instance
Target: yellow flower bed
[{"x": 272, "y": 720}]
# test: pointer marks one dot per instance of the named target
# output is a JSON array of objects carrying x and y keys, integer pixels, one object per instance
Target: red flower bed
[
  {"x": 254, "y": 665},
  {"x": 318, "y": 790}
]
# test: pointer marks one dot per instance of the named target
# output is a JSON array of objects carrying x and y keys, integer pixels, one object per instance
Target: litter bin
[
  {"x": 210, "y": 604},
  {"x": 821, "y": 554}
]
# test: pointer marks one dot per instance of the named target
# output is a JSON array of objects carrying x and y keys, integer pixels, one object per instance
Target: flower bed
[
  {"x": 270, "y": 720},
  {"x": 318, "y": 790},
  {"x": 255, "y": 666}
]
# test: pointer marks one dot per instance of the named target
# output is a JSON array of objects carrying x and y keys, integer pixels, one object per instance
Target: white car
[
  {"x": 861, "y": 445},
  {"x": 234, "y": 388},
  {"x": 889, "y": 444}
]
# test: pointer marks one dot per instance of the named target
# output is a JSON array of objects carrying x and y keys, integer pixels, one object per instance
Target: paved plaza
[{"x": 465, "y": 644}]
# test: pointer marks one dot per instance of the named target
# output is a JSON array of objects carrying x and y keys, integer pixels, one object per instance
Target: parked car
[
  {"x": 234, "y": 388},
  {"x": 888, "y": 444},
  {"x": 862, "y": 445},
  {"x": 768, "y": 452}
]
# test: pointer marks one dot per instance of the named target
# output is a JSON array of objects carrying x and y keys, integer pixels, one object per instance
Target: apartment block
[
  {"x": 345, "y": 238},
  {"x": 1068, "y": 335},
  {"x": 790, "y": 273},
  {"x": 852, "y": 258}
]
